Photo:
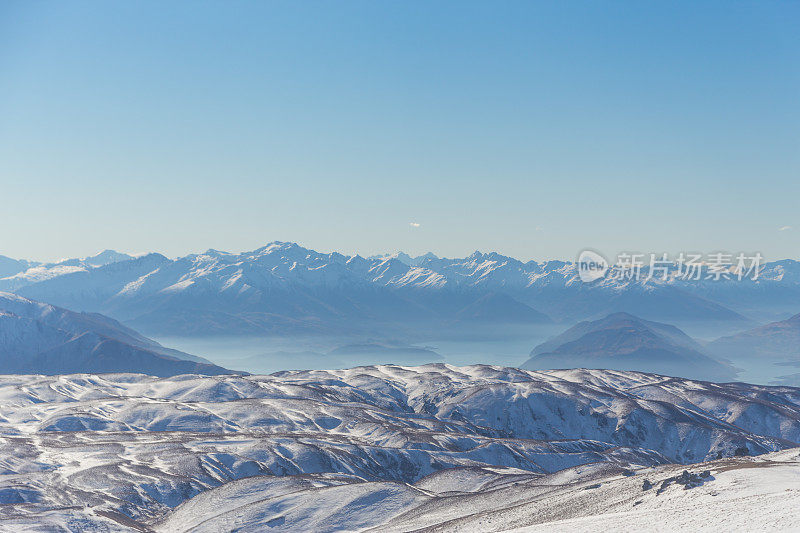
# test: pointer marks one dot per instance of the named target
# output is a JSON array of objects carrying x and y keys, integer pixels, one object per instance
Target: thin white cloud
[
  {"x": 784, "y": 228},
  {"x": 414, "y": 224}
]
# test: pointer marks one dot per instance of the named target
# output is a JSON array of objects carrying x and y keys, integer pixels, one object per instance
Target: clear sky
[{"x": 531, "y": 128}]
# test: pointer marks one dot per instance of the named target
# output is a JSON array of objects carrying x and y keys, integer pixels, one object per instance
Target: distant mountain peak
[
  {"x": 214, "y": 252},
  {"x": 619, "y": 316},
  {"x": 275, "y": 246},
  {"x": 406, "y": 258},
  {"x": 622, "y": 341},
  {"x": 106, "y": 257}
]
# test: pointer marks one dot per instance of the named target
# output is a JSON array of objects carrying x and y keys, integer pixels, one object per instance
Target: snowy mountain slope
[
  {"x": 90, "y": 289},
  {"x": 285, "y": 288},
  {"x": 378, "y": 447},
  {"x": 10, "y": 267},
  {"x": 737, "y": 494},
  {"x": 622, "y": 341},
  {"x": 70, "y": 321},
  {"x": 41, "y": 338}
]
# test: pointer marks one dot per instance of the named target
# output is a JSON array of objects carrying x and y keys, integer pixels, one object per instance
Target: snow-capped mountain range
[
  {"x": 386, "y": 447},
  {"x": 285, "y": 288},
  {"x": 18, "y": 273}
]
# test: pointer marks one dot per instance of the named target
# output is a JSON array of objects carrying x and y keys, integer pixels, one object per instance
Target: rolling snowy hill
[{"x": 391, "y": 448}]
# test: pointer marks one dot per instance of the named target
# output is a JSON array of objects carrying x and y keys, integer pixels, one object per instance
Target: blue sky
[{"x": 532, "y": 128}]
